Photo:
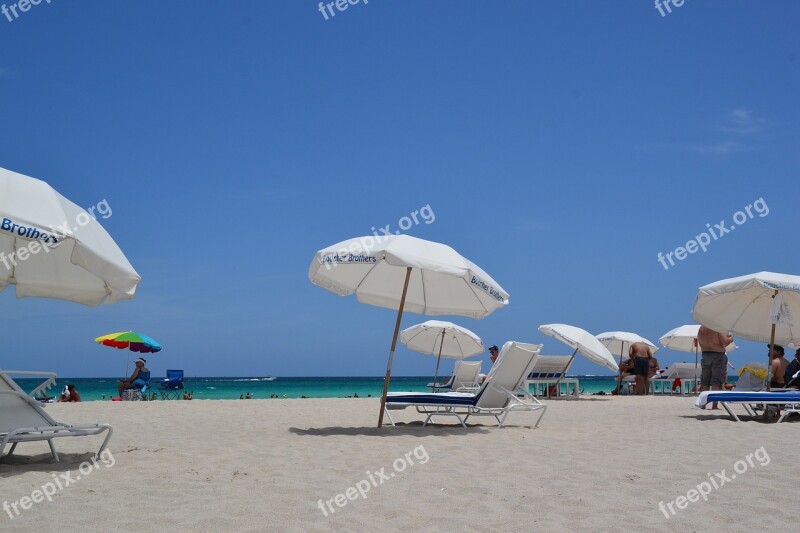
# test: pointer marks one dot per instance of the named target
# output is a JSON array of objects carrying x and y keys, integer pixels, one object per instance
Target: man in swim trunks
[
  {"x": 714, "y": 361},
  {"x": 641, "y": 355}
]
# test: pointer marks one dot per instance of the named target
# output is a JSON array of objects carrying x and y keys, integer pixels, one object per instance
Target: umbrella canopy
[
  {"x": 682, "y": 339},
  {"x": 581, "y": 341},
  {"x": 51, "y": 248},
  {"x": 743, "y": 306},
  {"x": 448, "y": 340},
  {"x": 443, "y": 339},
  {"x": 135, "y": 342},
  {"x": 402, "y": 272},
  {"x": 619, "y": 342},
  {"x": 373, "y": 268}
]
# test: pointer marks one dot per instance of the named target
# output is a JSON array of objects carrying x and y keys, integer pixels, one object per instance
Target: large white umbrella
[
  {"x": 581, "y": 341},
  {"x": 442, "y": 339},
  {"x": 684, "y": 339},
  {"x": 761, "y": 307},
  {"x": 620, "y": 342},
  {"x": 405, "y": 273},
  {"x": 52, "y": 248}
]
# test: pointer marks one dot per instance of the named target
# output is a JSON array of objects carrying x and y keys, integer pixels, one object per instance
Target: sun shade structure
[
  {"x": 581, "y": 341},
  {"x": 51, "y": 248},
  {"x": 761, "y": 307},
  {"x": 442, "y": 339},
  {"x": 620, "y": 342},
  {"x": 407, "y": 274},
  {"x": 135, "y": 342}
]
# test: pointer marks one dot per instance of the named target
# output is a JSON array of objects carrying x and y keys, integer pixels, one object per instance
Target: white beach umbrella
[
  {"x": 761, "y": 307},
  {"x": 581, "y": 341},
  {"x": 51, "y": 248},
  {"x": 684, "y": 339},
  {"x": 405, "y": 273},
  {"x": 620, "y": 342},
  {"x": 442, "y": 339}
]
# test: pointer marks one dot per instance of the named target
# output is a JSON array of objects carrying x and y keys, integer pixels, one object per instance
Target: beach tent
[{"x": 406, "y": 273}]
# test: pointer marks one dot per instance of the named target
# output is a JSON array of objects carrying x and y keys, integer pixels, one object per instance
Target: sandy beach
[{"x": 597, "y": 464}]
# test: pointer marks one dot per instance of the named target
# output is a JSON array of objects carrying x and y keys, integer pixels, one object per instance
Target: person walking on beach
[
  {"x": 714, "y": 361},
  {"x": 641, "y": 355}
]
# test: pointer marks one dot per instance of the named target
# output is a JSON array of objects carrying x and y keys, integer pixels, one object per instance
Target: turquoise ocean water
[{"x": 230, "y": 388}]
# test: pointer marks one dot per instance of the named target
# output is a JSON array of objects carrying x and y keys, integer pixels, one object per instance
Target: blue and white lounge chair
[
  {"x": 788, "y": 398},
  {"x": 22, "y": 419},
  {"x": 464, "y": 378},
  {"x": 550, "y": 371},
  {"x": 498, "y": 396},
  {"x": 172, "y": 386}
]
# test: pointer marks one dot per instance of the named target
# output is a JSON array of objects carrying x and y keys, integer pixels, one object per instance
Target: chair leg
[
  {"x": 13, "y": 447},
  {"x": 53, "y": 451}
]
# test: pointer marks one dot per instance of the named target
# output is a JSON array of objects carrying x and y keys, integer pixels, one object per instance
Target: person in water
[{"x": 139, "y": 378}]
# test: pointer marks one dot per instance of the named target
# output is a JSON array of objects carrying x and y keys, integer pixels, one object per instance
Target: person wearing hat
[
  {"x": 494, "y": 351},
  {"x": 139, "y": 378}
]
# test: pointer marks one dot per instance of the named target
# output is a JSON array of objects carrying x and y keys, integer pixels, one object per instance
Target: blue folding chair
[{"x": 172, "y": 386}]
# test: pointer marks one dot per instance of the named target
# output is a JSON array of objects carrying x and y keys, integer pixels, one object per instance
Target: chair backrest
[
  {"x": 748, "y": 378},
  {"x": 17, "y": 410},
  {"x": 465, "y": 374},
  {"x": 683, "y": 371},
  {"x": 508, "y": 373},
  {"x": 550, "y": 366},
  {"x": 175, "y": 375}
]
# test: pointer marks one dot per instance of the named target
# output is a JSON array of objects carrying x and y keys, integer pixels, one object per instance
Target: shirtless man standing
[
  {"x": 714, "y": 361},
  {"x": 640, "y": 355}
]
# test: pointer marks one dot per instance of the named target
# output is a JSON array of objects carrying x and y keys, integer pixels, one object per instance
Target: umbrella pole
[
  {"x": 619, "y": 377},
  {"x": 394, "y": 345},
  {"x": 439, "y": 358},
  {"x": 563, "y": 372},
  {"x": 771, "y": 347}
]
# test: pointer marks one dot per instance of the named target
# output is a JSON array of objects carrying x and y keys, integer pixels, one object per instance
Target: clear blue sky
[{"x": 561, "y": 146}]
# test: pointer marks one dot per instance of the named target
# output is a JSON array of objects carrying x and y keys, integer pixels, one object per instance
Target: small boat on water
[{"x": 269, "y": 378}]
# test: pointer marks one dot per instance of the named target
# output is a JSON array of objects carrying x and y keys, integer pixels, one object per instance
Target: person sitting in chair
[{"x": 138, "y": 380}]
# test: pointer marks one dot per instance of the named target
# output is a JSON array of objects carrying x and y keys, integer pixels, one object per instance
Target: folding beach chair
[
  {"x": 499, "y": 395},
  {"x": 172, "y": 387},
  {"x": 550, "y": 370},
  {"x": 22, "y": 419},
  {"x": 464, "y": 378}
]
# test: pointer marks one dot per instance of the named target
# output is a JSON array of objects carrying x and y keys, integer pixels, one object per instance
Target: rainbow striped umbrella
[{"x": 136, "y": 342}]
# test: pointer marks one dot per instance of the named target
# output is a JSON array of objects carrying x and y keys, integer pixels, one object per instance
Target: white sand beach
[{"x": 597, "y": 464}]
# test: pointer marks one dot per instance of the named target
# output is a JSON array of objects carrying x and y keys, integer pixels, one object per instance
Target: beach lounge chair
[
  {"x": 40, "y": 390},
  {"x": 789, "y": 399},
  {"x": 172, "y": 386},
  {"x": 464, "y": 378},
  {"x": 22, "y": 419},
  {"x": 497, "y": 396},
  {"x": 686, "y": 372},
  {"x": 550, "y": 370}
]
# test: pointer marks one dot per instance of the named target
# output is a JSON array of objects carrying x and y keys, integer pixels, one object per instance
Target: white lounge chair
[
  {"x": 464, "y": 378},
  {"x": 550, "y": 370},
  {"x": 22, "y": 419},
  {"x": 686, "y": 372},
  {"x": 790, "y": 399},
  {"x": 498, "y": 396}
]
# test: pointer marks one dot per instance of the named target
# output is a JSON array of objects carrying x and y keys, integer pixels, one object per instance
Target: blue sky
[{"x": 561, "y": 146}]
